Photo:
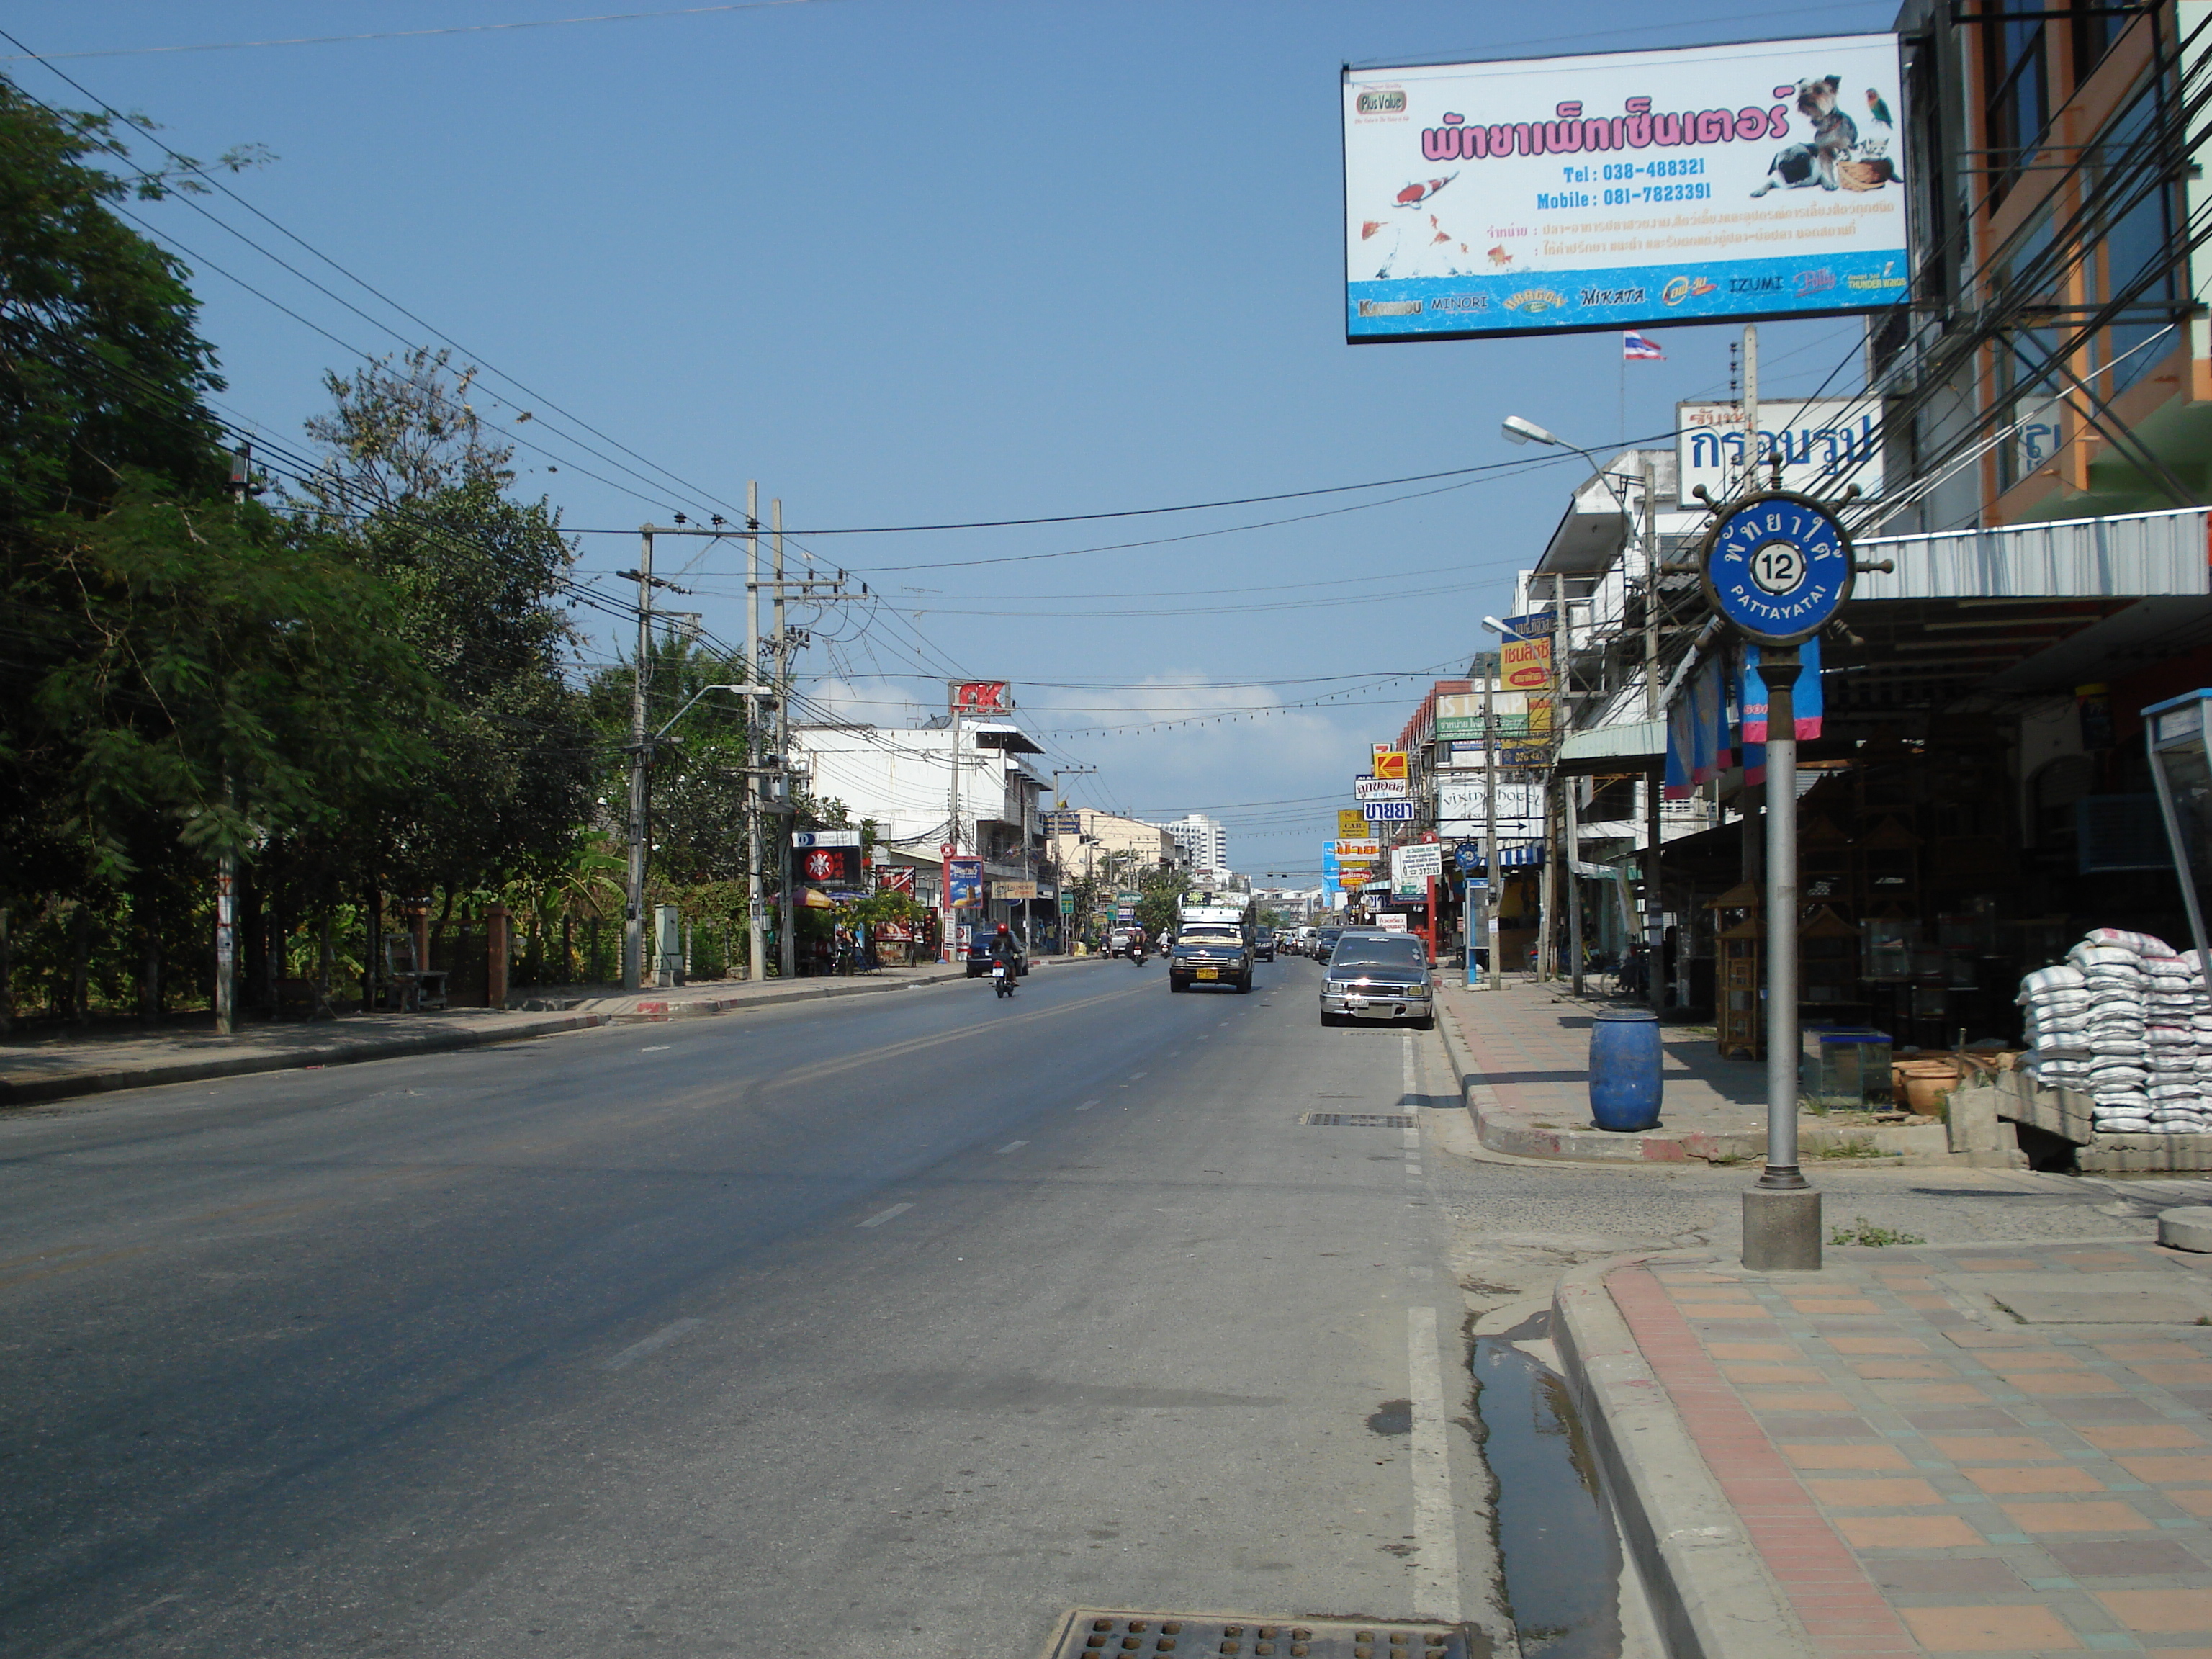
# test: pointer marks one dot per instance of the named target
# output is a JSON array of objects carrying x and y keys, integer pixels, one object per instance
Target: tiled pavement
[{"x": 1924, "y": 1474}]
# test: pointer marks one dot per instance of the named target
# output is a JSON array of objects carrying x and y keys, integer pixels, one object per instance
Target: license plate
[{"x": 1209, "y": 972}]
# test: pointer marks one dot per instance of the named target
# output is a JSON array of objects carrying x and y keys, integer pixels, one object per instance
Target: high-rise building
[{"x": 1205, "y": 843}]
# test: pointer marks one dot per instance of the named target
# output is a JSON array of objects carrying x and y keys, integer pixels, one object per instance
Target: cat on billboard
[{"x": 981, "y": 696}]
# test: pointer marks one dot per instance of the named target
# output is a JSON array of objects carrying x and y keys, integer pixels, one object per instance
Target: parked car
[
  {"x": 1325, "y": 942},
  {"x": 1378, "y": 977},
  {"x": 1263, "y": 945},
  {"x": 979, "y": 956}
]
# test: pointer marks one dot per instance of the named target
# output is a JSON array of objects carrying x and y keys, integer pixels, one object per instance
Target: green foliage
[
  {"x": 417, "y": 499},
  {"x": 1862, "y": 1231}
]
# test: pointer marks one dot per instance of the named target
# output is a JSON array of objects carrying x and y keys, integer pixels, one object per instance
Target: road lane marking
[
  {"x": 1406, "y": 1051},
  {"x": 1133, "y": 1076},
  {"x": 1011, "y": 1146},
  {"x": 882, "y": 1216},
  {"x": 653, "y": 1344},
  {"x": 654, "y": 1049},
  {"x": 1436, "y": 1570},
  {"x": 1086, "y": 1106}
]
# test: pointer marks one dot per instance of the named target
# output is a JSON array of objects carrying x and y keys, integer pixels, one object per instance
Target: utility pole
[
  {"x": 226, "y": 863},
  {"x": 756, "y": 911},
  {"x": 1495, "y": 889},
  {"x": 788, "y": 947},
  {"x": 952, "y": 839},
  {"x": 634, "y": 900},
  {"x": 1654, "y": 918}
]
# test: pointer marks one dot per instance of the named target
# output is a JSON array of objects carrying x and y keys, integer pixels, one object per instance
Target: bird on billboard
[{"x": 1876, "y": 142}]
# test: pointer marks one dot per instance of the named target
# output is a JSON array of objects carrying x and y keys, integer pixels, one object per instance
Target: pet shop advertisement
[{"x": 1624, "y": 190}]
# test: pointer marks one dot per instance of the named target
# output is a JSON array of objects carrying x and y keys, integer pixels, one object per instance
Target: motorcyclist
[{"x": 1004, "y": 951}]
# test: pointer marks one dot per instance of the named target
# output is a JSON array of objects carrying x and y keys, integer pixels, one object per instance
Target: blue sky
[{"x": 924, "y": 263}]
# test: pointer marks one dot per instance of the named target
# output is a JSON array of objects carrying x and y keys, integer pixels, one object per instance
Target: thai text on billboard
[
  {"x": 1622, "y": 190},
  {"x": 1823, "y": 444}
]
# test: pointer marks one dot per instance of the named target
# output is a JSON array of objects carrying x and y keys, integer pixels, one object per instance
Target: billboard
[
  {"x": 1824, "y": 444},
  {"x": 1620, "y": 190},
  {"x": 1389, "y": 764},
  {"x": 964, "y": 879},
  {"x": 828, "y": 864},
  {"x": 980, "y": 696},
  {"x": 1462, "y": 809},
  {"x": 1379, "y": 789},
  {"x": 1351, "y": 823}
]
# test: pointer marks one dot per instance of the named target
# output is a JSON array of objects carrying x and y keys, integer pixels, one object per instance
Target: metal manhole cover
[
  {"x": 1094, "y": 1633},
  {"x": 1358, "y": 1121}
]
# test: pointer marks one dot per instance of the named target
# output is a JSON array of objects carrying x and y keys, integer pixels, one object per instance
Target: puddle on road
[{"x": 1555, "y": 1539}]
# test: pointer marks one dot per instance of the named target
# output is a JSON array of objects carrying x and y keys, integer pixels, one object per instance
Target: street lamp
[{"x": 1518, "y": 430}]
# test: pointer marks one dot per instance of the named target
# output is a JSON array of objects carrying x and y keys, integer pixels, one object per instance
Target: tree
[
  {"x": 418, "y": 497},
  {"x": 181, "y": 676}
]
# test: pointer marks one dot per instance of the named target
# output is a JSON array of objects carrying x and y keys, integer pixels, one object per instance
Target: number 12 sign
[{"x": 1779, "y": 567}]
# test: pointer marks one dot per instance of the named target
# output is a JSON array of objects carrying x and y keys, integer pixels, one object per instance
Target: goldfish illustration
[
  {"x": 1498, "y": 256},
  {"x": 1414, "y": 194},
  {"x": 1368, "y": 228}
]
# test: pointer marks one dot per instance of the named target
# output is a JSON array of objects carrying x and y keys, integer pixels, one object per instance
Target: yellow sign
[
  {"x": 1526, "y": 665},
  {"x": 1390, "y": 763},
  {"x": 1351, "y": 825}
]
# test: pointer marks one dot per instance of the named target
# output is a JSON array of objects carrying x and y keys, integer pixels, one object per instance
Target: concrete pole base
[{"x": 1782, "y": 1231}]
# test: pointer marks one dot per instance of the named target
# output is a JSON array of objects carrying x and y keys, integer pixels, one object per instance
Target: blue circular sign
[{"x": 1779, "y": 567}]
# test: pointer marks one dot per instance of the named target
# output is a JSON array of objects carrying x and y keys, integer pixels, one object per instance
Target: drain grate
[
  {"x": 1358, "y": 1121},
  {"x": 1092, "y": 1633}
]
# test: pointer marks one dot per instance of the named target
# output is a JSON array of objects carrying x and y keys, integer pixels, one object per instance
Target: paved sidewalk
[
  {"x": 1524, "y": 1054},
  {"x": 63, "y": 1066},
  {"x": 1928, "y": 1450}
]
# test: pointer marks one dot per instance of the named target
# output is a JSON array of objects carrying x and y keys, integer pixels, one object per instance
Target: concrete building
[
  {"x": 1204, "y": 842},
  {"x": 1106, "y": 836}
]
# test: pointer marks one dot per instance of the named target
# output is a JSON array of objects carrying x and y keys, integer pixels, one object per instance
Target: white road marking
[
  {"x": 1011, "y": 1146},
  {"x": 1407, "y": 1052},
  {"x": 1133, "y": 1076},
  {"x": 659, "y": 1339},
  {"x": 882, "y": 1216},
  {"x": 1437, "y": 1566},
  {"x": 1410, "y": 1139},
  {"x": 655, "y": 1049},
  {"x": 1086, "y": 1106}
]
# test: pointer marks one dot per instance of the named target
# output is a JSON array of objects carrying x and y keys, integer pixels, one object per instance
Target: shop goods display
[{"x": 2123, "y": 1019}]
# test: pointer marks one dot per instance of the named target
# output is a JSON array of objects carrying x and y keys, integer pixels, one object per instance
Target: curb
[
  {"x": 345, "y": 1054},
  {"x": 1711, "y": 1594}
]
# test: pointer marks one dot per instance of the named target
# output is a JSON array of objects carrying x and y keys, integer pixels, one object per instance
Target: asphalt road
[{"x": 888, "y": 1325}]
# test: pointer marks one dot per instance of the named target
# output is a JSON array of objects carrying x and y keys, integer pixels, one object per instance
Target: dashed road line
[
  {"x": 1011, "y": 1146},
  {"x": 1436, "y": 1535},
  {"x": 659, "y": 1339},
  {"x": 882, "y": 1216}
]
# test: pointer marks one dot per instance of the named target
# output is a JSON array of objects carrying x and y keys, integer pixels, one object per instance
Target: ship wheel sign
[{"x": 1778, "y": 567}]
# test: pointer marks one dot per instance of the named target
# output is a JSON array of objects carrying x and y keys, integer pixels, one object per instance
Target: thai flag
[{"x": 1634, "y": 346}]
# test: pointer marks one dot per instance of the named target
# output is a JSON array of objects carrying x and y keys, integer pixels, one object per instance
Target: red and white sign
[
  {"x": 895, "y": 878},
  {"x": 982, "y": 697}
]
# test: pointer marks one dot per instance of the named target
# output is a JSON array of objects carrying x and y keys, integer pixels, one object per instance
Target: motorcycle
[
  {"x": 1137, "y": 954},
  {"x": 1002, "y": 979}
]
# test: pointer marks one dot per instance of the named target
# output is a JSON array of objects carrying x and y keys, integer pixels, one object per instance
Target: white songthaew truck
[{"x": 1212, "y": 946}]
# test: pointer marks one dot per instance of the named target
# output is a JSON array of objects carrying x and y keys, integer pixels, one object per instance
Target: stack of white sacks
[{"x": 2123, "y": 1019}]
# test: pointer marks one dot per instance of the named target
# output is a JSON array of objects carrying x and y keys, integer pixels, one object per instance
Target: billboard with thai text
[
  {"x": 1823, "y": 445},
  {"x": 1624, "y": 190}
]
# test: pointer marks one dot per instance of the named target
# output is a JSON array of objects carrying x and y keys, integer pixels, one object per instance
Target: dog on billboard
[{"x": 1835, "y": 135}]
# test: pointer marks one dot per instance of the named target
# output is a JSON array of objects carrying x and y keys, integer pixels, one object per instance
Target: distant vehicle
[
  {"x": 1263, "y": 945},
  {"x": 1378, "y": 977},
  {"x": 1117, "y": 942},
  {"x": 1325, "y": 942}
]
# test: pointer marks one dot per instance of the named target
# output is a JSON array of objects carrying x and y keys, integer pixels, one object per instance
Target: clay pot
[{"x": 1922, "y": 1083}]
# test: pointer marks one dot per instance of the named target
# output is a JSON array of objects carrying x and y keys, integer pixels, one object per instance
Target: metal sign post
[{"x": 1777, "y": 567}]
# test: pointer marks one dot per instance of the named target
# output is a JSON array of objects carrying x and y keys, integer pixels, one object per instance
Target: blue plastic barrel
[{"x": 1623, "y": 1070}]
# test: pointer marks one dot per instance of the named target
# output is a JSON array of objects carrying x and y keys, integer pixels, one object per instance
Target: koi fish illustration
[
  {"x": 1414, "y": 194},
  {"x": 1368, "y": 228}
]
